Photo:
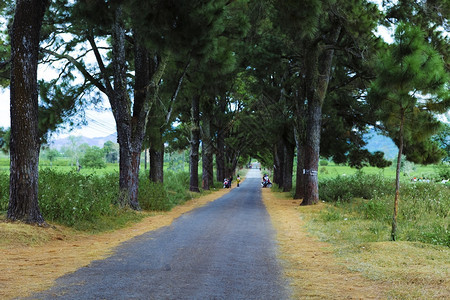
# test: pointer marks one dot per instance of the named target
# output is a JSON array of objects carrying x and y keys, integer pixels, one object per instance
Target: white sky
[{"x": 100, "y": 123}]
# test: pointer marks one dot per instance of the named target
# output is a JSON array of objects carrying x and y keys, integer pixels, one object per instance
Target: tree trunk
[
  {"x": 320, "y": 72},
  {"x": 299, "y": 184},
  {"x": 288, "y": 166},
  {"x": 195, "y": 142},
  {"x": 131, "y": 124},
  {"x": 220, "y": 156},
  {"x": 145, "y": 159},
  {"x": 207, "y": 154},
  {"x": 311, "y": 153},
  {"x": 157, "y": 162},
  {"x": 121, "y": 108},
  {"x": 220, "y": 152},
  {"x": 24, "y": 145},
  {"x": 278, "y": 161},
  {"x": 397, "y": 182}
]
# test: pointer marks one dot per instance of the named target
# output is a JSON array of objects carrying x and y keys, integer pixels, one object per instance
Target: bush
[
  {"x": 153, "y": 196},
  {"x": 68, "y": 198},
  {"x": 344, "y": 188},
  {"x": 323, "y": 163},
  {"x": 4, "y": 191},
  {"x": 93, "y": 158},
  {"x": 443, "y": 172}
]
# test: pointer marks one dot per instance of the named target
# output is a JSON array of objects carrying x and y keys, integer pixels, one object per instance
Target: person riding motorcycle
[{"x": 266, "y": 181}]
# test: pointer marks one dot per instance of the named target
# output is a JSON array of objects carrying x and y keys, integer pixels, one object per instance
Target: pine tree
[
  {"x": 24, "y": 146},
  {"x": 410, "y": 86}
]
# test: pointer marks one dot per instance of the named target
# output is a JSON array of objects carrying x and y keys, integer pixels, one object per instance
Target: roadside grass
[
  {"x": 424, "y": 209},
  {"x": 355, "y": 218},
  {"x": 417, "y": 270},
  {"x": 403, "y": 269},
  {"x": 88, "y": 201}
]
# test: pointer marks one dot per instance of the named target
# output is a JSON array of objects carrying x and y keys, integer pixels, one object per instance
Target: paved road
[{"x": 224, "y": 250}]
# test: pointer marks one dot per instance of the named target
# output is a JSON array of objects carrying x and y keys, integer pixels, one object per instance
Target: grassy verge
[
  {"x": 416, "y": 270},
  {"x": 89, "y": 201},
  {"x": 354, "y": 219},
  {"x": 424, "y": 209},
  {"x": 397, "y": 270}
]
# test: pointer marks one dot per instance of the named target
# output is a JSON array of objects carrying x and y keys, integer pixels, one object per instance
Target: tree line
[{"x": 267, "y": 79}]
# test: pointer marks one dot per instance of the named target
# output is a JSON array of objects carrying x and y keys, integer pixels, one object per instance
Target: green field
[
  {"x": 177, "y": 164},
  {"x": 418, "y": 171}
]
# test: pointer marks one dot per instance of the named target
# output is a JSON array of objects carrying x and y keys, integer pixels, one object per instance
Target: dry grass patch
[
  {"x": 33, "y": 257},
  {"x": 416, "y": 270}
]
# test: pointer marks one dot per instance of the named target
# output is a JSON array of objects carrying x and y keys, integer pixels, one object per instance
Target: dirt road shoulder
[{"x": 309, "y": 264}]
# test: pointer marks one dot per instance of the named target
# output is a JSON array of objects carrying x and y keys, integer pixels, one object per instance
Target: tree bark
[
  {"x": 299, "y": 184},
  {"x": 289, "y": 149},
  {"x": 207, "y": 154},
  {"x": 24, "y": 145},
  {"x": 397, "y": 181},
  {"x": 195, "y": 142},
  {"x": 121, "y": 107},
  {"x": 157, "y": 162},
  {"x": 311, "y": 153},
  {"x": 145, "y": 159},
  {"x": 320, "y": 72},
  {"x": 278, "y": 168},
  {"x": 131, "y": 123},
  {"x": 220, "y": 151}
]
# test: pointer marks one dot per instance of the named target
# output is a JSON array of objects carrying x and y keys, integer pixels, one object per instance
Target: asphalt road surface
[{"x": 224, "y": 250}]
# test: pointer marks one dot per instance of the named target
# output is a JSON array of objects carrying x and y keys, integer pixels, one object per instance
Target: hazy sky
[{"x": 99, "y": 123}]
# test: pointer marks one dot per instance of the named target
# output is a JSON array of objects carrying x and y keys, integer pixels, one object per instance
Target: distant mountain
[
  {"x": 375, "y": 142},
  {"x": 96, "y": 141},
  {"x": 378, "y": 142}
]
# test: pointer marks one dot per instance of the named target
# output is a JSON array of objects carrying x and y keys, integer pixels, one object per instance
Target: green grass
[
  {"x": 88, "y": 200},
  {"x": 362, "y": 208},
  {"x": 420, "y": 171}
]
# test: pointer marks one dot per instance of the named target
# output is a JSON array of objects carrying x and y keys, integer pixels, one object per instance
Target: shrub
[
  {"x": 153, "y": 196},
  {"x": 344, "y": 188},
  {"x": 4, "y": 191},
  {"x": 93, "y": 158},
  {"x": 323, "y": 162},
  {"x": 443, "y": 172},
  {"x": 68, "y": 198},
  {"x": 376, "y": 209}
]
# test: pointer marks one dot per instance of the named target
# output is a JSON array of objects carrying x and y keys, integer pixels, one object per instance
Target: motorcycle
[
  {"x": 266, "y": 182},
  {"x": 226, "y": 183}
]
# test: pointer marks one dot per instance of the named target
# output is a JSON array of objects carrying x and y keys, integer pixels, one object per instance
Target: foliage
[
  {"x": 68, "y": 198},
  {"x": 442, "y": 137},
  {"x": 111, "y": 151},
  {"x": 4, "y": 191},
  {"x": 51, "y": 155},
  {"x": 153, "y": 196},
  {"x": 410, "y": 86},
  {"x": 93, "y": 158},
  {"x": 88, "y": 201},
  {"x": 4, "y": 139},
  {"x": 323, "y": 162},
  {"x": 345, "y": 188},
  {"x": 443, "y": 172}
]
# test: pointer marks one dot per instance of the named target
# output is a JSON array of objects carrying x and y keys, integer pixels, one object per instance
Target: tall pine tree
[{"x": 411, "y": 85}]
